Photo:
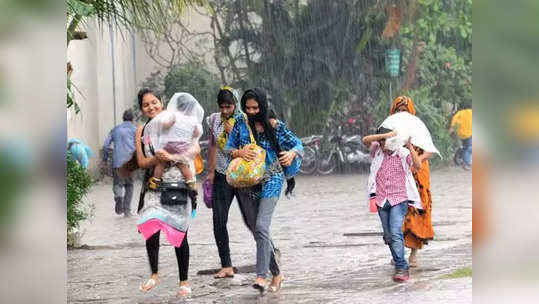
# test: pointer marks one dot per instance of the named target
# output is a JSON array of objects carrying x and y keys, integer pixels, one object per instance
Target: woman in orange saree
[{"x": 417, "y": 226}]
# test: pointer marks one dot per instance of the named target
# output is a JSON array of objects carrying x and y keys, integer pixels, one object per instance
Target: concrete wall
[
  {"x": 92, "y": 60},
  {"x": 101, "y": 103}
]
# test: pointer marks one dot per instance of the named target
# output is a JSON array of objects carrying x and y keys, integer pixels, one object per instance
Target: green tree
[{"x": 194, "y": 79}]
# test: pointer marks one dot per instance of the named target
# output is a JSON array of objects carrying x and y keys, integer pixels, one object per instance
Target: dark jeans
[
  {"x": 467, "y": 153},
  {"x": 182, "y": 255},
  {"x": 122, "y": 187},
  {"x": 223, "y": 194},
  {"x": 392, "y": 218}
]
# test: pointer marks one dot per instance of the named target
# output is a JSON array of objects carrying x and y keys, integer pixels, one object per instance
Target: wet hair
[
  {"x": 382, "y": 130},
  {"x": 128, "y": 115},
  {"x": 271, "y": 114},
  {"x": 143, "y": 93},
  {"x": 225, "y": 97}
]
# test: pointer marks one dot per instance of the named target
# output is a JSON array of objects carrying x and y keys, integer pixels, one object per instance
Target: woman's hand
[
  {"x": 245, "y": 153},
  {"x": 409, "y": 144},
  {"x": 163, "y": 156},
  {"x": 211, "y": 177},
  {"x": 228, "y": 127},
  {"x": 287, "y": 157},
  {"x": 273, "y": 122}
]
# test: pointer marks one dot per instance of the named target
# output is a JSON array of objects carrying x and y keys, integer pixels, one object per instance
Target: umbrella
[{"x": 408, "y": 126}]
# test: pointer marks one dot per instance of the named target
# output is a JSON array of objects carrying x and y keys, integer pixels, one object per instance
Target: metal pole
[
  {"x": 111, "y": 31},
  {"x": 390, "y": 92},
  {"x": 133, "y": 37}
]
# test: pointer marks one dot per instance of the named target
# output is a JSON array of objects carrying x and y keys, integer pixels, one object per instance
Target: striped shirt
[{"x": 391, "y": 180}]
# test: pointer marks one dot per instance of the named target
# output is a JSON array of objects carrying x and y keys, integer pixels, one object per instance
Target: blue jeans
[
  {"x": 467, "y": 153},
  {"x": 392, "y": 218}
]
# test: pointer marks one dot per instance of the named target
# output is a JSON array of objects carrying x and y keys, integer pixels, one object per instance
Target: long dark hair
[
  {"x": 262, "y": 116},
  {"x": 145, "y": 91},
  {"x": 225, "y": 96}
]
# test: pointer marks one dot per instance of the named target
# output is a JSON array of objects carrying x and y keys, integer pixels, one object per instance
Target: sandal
[
  {"x": 222, "y": 274},
  {"x": 261, "y": 288},
  {"x": 151, "y": 283},
  {"x": 184, "y": 291},
  {"x": 275, "y": 288}
]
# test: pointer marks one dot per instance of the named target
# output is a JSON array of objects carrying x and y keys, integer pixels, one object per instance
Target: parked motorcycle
[
  {"x": 343, "y": 151},
  {"x": 310, "y": 154}
]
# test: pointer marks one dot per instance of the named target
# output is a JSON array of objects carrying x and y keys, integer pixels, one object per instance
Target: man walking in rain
[
  {"x": 462, "y": 124},
  {"x": 123, "y": 137}
]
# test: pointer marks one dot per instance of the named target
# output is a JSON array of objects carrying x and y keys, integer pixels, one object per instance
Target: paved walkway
[{"x": 332, "y": 250}]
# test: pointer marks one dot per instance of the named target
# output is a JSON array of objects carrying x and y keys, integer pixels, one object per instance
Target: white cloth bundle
[{"x": 408, "y": 126}]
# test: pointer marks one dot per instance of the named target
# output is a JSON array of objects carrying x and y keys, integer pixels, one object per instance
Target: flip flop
[
  {"x": 223, "y": 275},
  {"x": 186, "y": 291},
  {"x": 152, "y": 283},
  {"x": 275, "y": 288},
  {"x": 260, "y": 288}
]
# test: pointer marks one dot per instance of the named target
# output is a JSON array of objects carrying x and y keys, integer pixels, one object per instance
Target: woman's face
[
  {"x": 251, "y": 107},
  {"x": 227, "y": 109},
  {"x": 151, "y": 105}
]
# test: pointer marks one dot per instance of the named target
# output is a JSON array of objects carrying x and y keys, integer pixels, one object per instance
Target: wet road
[{"x": 332, "y": 250}]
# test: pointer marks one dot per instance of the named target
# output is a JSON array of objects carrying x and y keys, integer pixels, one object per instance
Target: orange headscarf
[{"x": 400, "y": 101}]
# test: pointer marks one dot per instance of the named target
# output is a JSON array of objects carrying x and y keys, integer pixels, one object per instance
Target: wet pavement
[{"x": 332, "y": 250}]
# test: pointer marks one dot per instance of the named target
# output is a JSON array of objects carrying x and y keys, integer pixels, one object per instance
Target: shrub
[{"x": 77, "y": 185}]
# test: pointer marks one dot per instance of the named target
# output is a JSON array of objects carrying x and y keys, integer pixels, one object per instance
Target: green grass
[{"x": 459, "y": 273}]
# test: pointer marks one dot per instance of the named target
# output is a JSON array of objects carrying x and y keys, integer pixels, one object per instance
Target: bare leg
[
  {"x": 188, "y": 174},
  {"x": 412, "y": 260},
  {"x": 158, "y": 171},
  {"x": 186, "y": 171}
]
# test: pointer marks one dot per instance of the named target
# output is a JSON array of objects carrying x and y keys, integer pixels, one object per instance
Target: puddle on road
[
  {"x": 239, "y": 269},
  {"x": 364, "y": 234},
  {"x": 323, "y": 245},
  {"x": 449, "y": 223}
]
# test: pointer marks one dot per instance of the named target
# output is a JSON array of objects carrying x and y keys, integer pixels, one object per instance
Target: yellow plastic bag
[
  {"x": 199, "y": 164},
  {"x": 241, "y": 173}
]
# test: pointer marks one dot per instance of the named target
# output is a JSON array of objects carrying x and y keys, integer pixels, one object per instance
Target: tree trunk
[
  {"x": 413, "y": 59},
  {"x": 225, "y": 48},
  {"x": 241, "y": 16}
]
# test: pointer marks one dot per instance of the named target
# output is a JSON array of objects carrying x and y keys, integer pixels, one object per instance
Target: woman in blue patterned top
[{"x": 283, "y": 159}]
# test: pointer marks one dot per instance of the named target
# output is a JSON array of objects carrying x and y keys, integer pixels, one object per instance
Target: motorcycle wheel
[
  {"x": 327, "y": 164},
  {"x": 457, "y": 158},
  {"x": 309, "y": 161}
]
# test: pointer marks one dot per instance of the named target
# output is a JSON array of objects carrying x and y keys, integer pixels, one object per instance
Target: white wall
[{"x": 92, "y": 62}]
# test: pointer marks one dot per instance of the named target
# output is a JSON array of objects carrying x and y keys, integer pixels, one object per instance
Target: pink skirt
[{"x": 150, "y": 227}]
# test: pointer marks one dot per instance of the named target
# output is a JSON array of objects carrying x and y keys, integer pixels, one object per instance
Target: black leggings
[
  {"x": 223, "y": 194},
  {"x": 182, "y": 255}
]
